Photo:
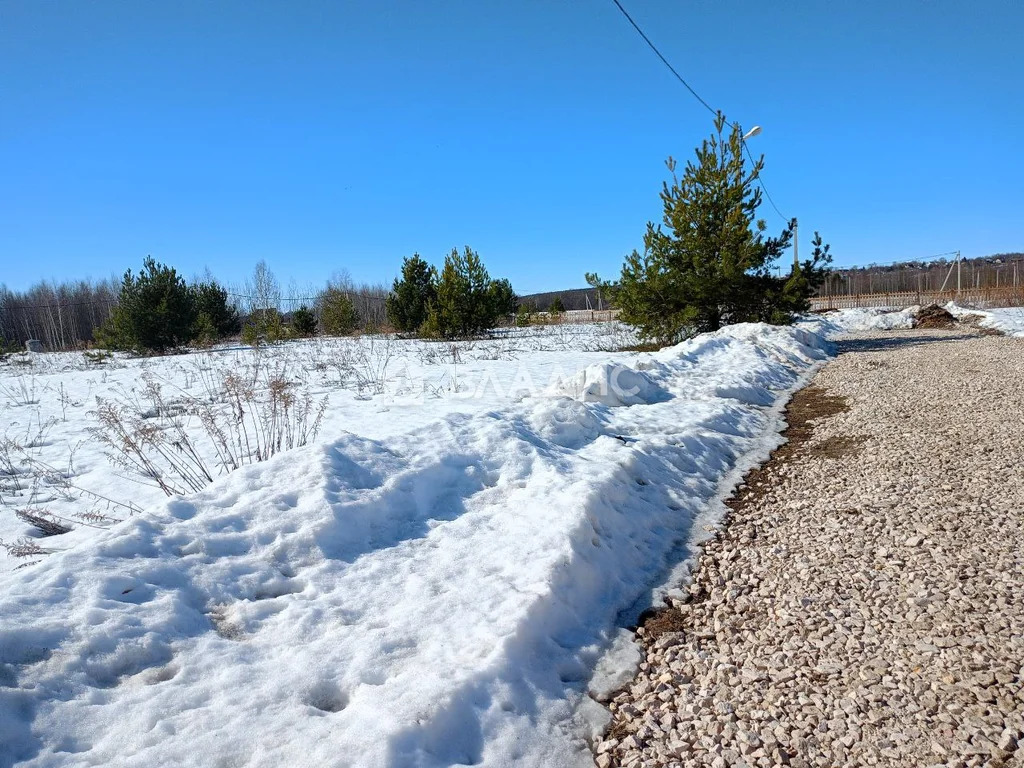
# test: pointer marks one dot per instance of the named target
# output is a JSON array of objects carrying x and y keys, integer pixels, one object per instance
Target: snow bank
[
  {"x": 860, "y": 320},
  {"x": 440, "y": 597},
  {"x": 1009, "y": 320}
]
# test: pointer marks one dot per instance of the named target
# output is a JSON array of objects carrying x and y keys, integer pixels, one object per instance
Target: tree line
[{"x": 156, "y": 310}]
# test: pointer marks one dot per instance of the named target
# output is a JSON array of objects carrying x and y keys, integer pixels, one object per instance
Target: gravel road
[{"x": 864, "y": 604}]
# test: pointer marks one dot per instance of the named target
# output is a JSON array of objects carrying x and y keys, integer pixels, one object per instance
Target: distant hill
[
  {"x": 996, "y": 270},
  {"x": 574, "y": 298}
]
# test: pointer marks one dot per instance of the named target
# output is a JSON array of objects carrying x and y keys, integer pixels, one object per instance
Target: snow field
[
  {"x": 428, "y": 583},
  {"x": 51, "y": 458}
]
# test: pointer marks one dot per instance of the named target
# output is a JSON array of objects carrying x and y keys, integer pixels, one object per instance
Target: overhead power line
[
  {"x": 761, "y": 182},
  {"x": 698, "y": 97},
  {"x": 311, "y": 298},
  {"x": 910, "y": 262},
  {"x": 16, "y": 302},
  {"x": 664, "y": 61}
]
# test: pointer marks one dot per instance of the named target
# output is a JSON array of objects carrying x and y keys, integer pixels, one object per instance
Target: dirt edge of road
[{"x": 808, "y": 405}]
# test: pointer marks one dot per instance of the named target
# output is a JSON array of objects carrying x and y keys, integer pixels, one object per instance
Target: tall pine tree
[{"x": 710, "y": 262}]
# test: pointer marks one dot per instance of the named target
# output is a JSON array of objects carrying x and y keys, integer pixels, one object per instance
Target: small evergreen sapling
[
  {"x": 156, "y": 311},
  {"x": 338, "y": 316},
  {"x": 503, "y": 298},
  {"x": 303, "y": 322},
  {"x": 411, "y": 295},
  {"x": 463, "y": 306},
  {"x": 221, "y": 316}
]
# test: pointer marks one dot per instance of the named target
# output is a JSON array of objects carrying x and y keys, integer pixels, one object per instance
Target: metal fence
[
  {"x": 973, "y": 297},
  {"x": 579, "y": 316}
]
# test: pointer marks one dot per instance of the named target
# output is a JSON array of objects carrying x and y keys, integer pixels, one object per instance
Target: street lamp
[{"x": 796, "y": 260}]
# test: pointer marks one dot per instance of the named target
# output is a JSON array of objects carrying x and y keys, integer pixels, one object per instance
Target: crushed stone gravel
[{"x": 864, "y": 604}]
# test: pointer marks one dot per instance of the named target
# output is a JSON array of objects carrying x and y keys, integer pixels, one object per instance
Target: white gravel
[{"x": 865, "y": 603}]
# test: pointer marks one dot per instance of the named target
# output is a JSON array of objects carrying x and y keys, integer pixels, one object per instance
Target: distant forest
[
  {"x": 61, "y": 315},
  {"x": 574, "y": 298}
]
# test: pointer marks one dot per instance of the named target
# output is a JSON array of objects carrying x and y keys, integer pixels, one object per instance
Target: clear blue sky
[{"x": 323, "y": 136}]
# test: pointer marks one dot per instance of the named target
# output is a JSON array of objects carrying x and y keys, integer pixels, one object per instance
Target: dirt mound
[{"x": 934, "y": 316}]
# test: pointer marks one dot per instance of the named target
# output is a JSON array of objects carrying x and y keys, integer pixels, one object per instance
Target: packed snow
[{"x": 430, "y": 581}]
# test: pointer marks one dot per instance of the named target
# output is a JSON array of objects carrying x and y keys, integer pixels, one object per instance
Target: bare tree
[
  {"x": 264, "y": 291},
  {"x": 61, "y": 315}
]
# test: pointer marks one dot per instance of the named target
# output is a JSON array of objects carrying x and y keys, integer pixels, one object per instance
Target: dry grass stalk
[
  {"x": 46, "y": 523},
  {"x": 24, "y": 548}
]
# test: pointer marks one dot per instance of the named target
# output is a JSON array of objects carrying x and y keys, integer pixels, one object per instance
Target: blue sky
[{"x": 323, "y": 136}]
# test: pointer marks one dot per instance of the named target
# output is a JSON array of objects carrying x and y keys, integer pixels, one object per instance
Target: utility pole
[
  {"x": 958, "y": 274},
  {"x": 796, "y": 245}
]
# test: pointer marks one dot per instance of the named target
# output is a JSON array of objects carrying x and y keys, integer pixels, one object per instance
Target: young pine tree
[
  {"x": 503, "y": 299},
  {"x": 709, "y": 262},
  {"x": 411, "y": 295},
  {"x": 804, "y": 279},
  {"x": 156, "y": 311},
  {"x": 463, "y": 305},
  {"x": 303, "y": 322},
  {"x": 338, "y": 316},
  {"x": 220, "y": 316},
  {"x": 524, "y": 315}
]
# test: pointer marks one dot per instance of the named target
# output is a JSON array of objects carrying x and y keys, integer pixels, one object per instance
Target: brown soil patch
[
  {"x": 807, "y": 406},
  {"x": 837, "y": 447},
  {"x": 650, "y": 346},
  {"x": 974, "y": 321}
]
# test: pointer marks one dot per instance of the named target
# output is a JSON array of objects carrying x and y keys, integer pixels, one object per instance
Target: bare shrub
[
  {"x": 10, "y": 470},
  {"x": 21, "y": 390},
  {"x": 65, "y": 400},
  {"x": 164, "y": 455},
  {"x": 368, "y": 363},
  {"x": 361, "y": 363},
  {"x": 44, "y": 476},
  {"x": 444, "y": 353},
  {"x": 261, "y": 423},
  {"x": 36, "y": 432},
  {"x": 248, "y": 423}
]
